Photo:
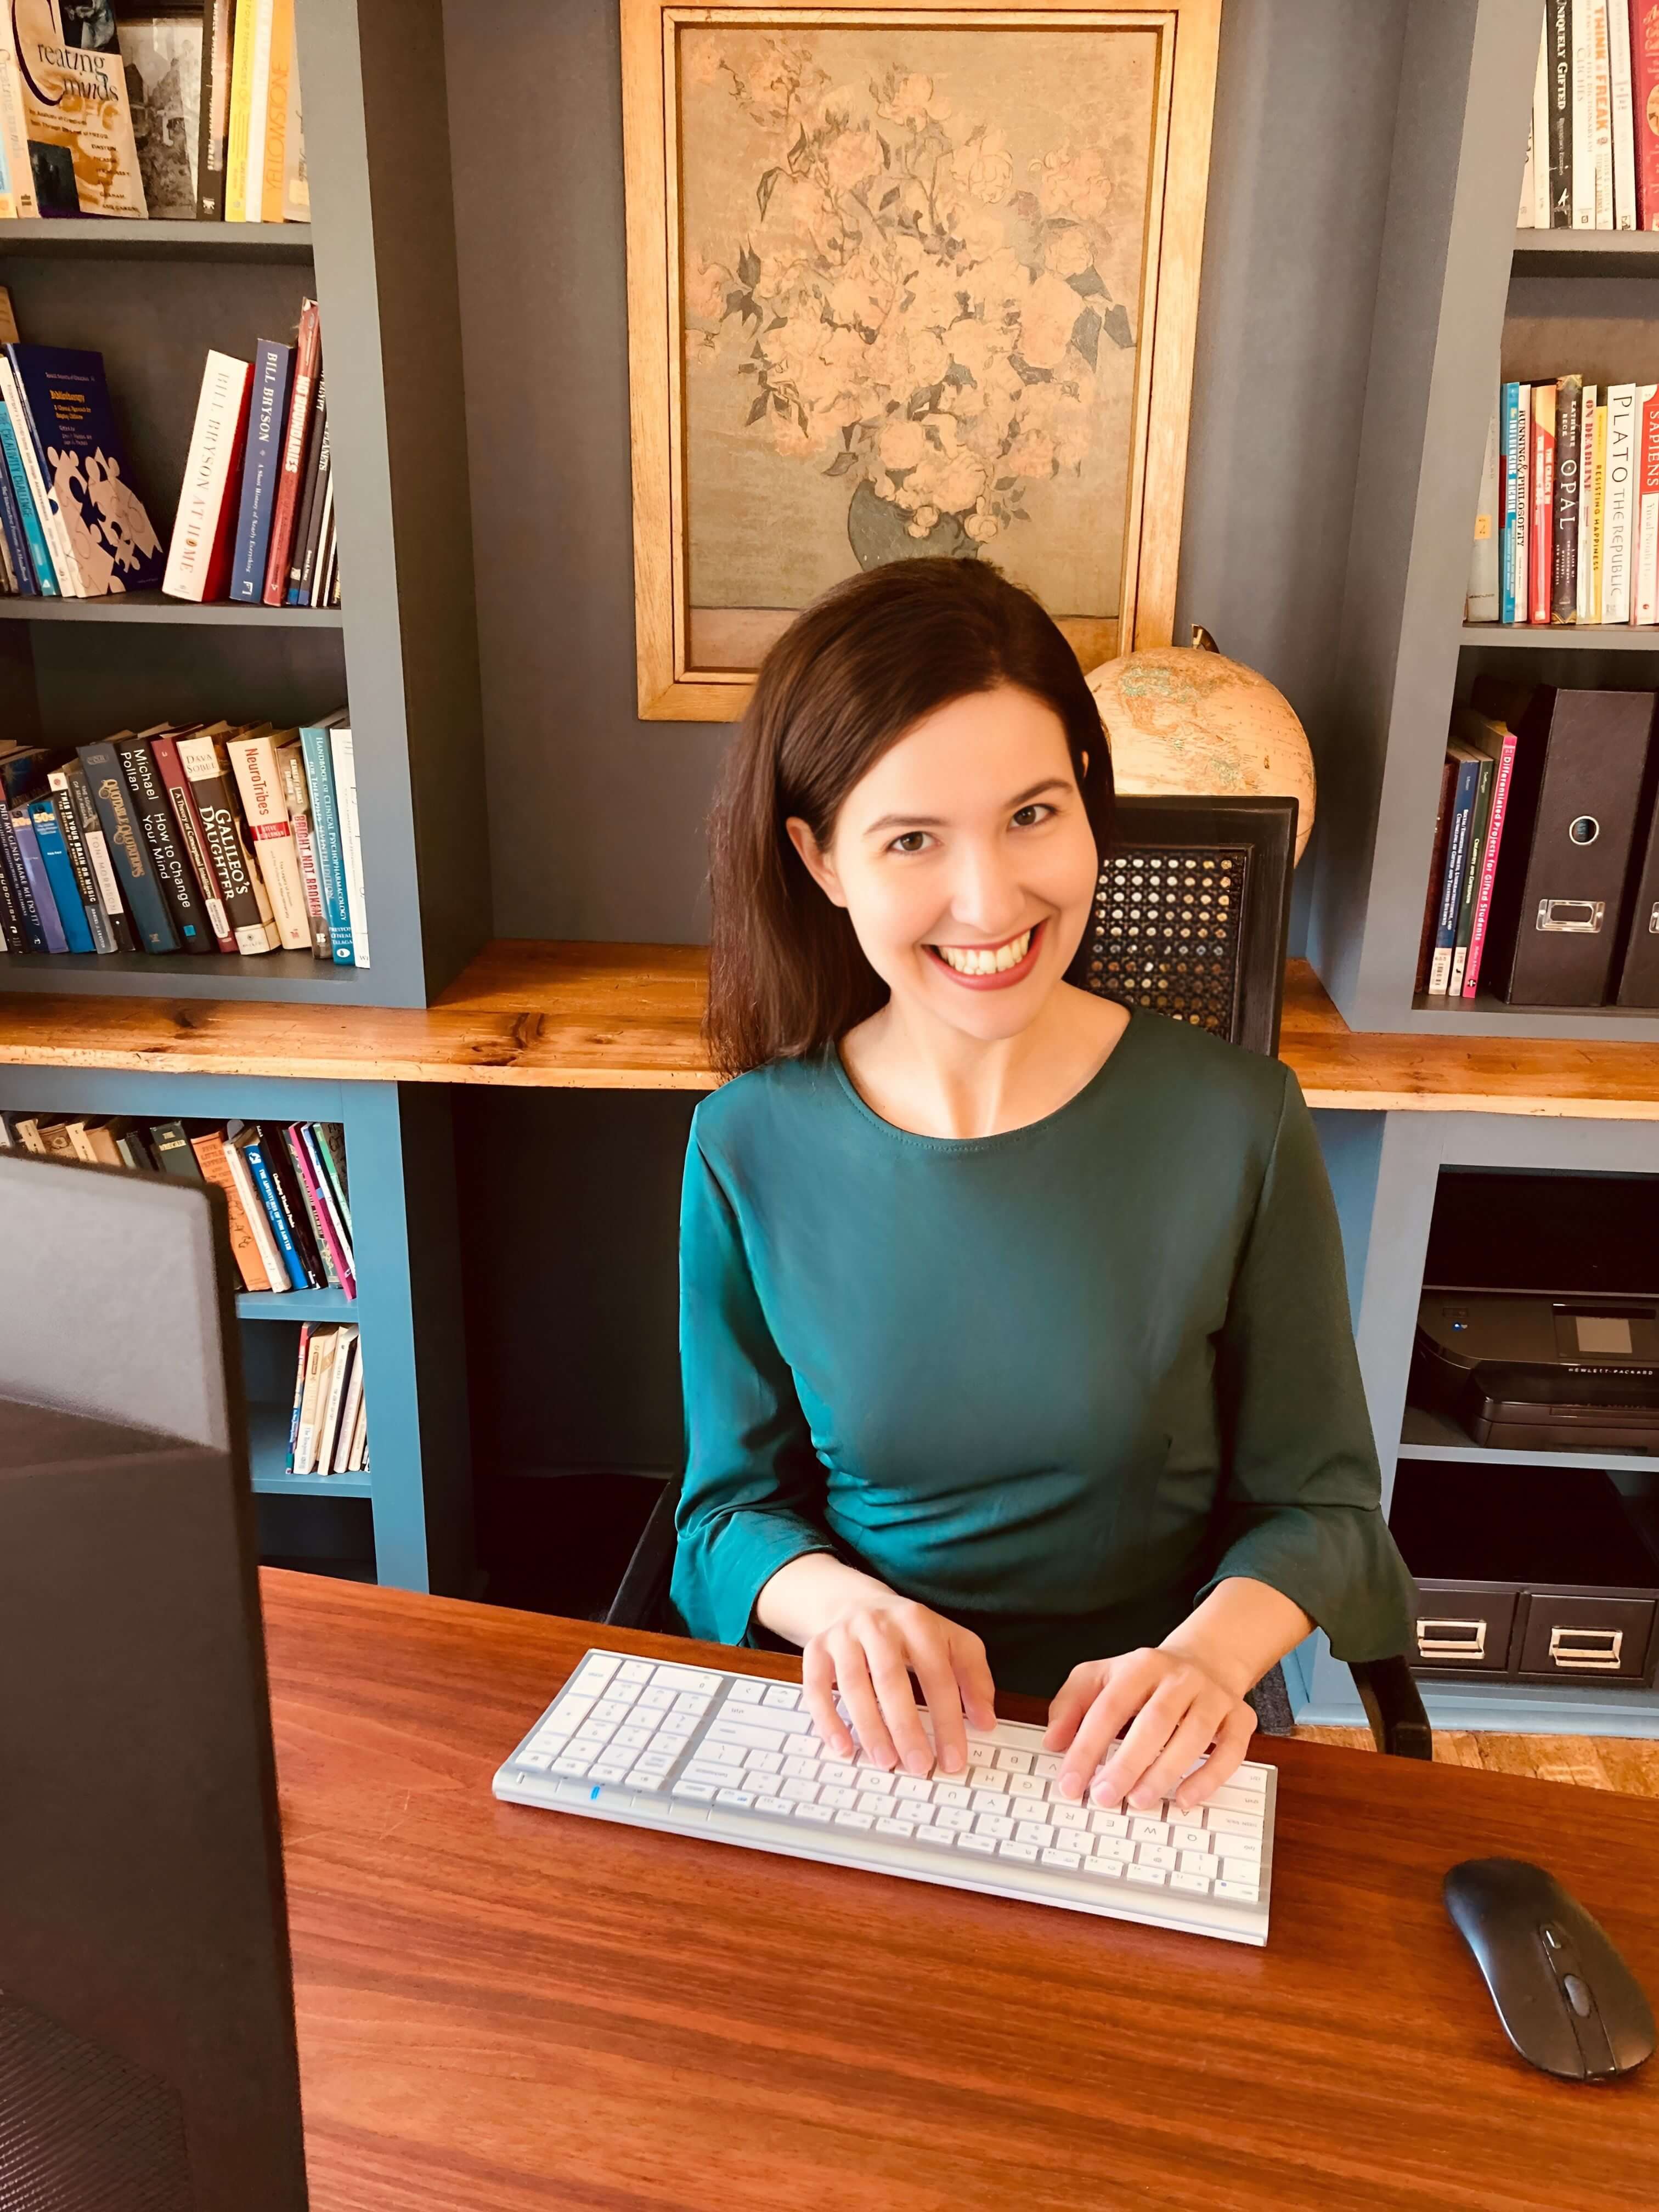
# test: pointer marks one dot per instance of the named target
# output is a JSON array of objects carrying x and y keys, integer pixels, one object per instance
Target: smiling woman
[{"x": 1014, "y": 1322}]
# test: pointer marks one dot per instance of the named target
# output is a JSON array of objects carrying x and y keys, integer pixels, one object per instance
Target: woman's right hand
[{"x": 864, "y": 1640}]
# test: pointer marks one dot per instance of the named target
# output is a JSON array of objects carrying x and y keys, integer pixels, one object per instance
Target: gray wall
[{"x": 595, "y": 816}]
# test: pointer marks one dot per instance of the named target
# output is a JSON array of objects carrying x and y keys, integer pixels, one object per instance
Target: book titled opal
[{"x": 83, "y": 460}]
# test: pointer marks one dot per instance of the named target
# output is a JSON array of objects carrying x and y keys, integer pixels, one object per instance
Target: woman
[{"x": 1014, "y": 1323}]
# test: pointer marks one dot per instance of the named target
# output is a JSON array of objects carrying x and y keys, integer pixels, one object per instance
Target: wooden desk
[
  {"x": 502, "y": 2009},
  {"x": 627, "y": 1016}
]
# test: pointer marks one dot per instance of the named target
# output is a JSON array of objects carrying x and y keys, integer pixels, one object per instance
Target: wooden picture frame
[{"x": 789, "y": 231}]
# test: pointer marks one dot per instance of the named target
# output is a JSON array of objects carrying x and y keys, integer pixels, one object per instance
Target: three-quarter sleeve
[
  {"x": 754, "y": 1486},
  {"x": 1300, "y": 1504}
]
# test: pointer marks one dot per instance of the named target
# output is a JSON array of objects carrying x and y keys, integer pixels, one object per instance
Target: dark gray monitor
[{"x": 147, "y": 2043}]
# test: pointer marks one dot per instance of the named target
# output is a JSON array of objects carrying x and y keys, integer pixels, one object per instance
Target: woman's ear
[{"x": 815, "y": 859}]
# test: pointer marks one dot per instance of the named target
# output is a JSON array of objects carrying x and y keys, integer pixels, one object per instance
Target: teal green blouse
[{"x": 1055, "y": 1383}]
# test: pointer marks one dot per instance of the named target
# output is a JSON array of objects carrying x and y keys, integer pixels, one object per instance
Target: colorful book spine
[
  {"x": 161, "y": 833},
  {"x": 1478, "y": 819},
  {"x": 257, "y": 779},
  {"x": 1585, "y": 609},
  {"x": 322, "y": 1212},
  {"x": 128, "y": 849},
  {"x": 1557, "y": 23},
  {"x": 279, "y": 68},
  {"x": 325, "y": 1142},
  {"x": 1564, "y": 568},
  {"x": 1583, "y": 115},
  {"x": 1436, "y": 874},
  {"x": 34, "y": 870},
  {"x": 1542, "y": 592},
  {"x": 210, "y": 1151},
  {"x": 28, "y": 929},
  {"x": 273, "y": 373},
  {"x": 1644, "y": 580},
  {"x": 253, "y": 1212},
  {"x": 1645, "y": 106},
  {"x": 60, "y": 876},
  {"x": 241, "y": 113},
  {"x": 73, "y": 832},
  {"x": 1623, "y": 120},
  {"x": 306, "y": 361},
  {"x": 1503, "y": 776},
  {"x": 326, "y": 844},
  {"x": 72, "y": 778},
  {"x": 1599, "y": 513},
  {"x": 1451, "y": 890},
  {"x": 247, "y": 909},
  {"x": 188, "y": 821},
  {"x": 214, "y": 126},
  {"x": 18, "y": 475},
  {"x": 1522, "y": 503},
  {"x": 351, "y": 843},
  {"x": 19, "y": 556},
  {"x": 291, "y": 761},
  {"x": 253, "y": 1151}
]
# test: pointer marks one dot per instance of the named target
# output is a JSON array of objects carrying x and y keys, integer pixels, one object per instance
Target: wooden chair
[{"x": 1191, "y": 920}]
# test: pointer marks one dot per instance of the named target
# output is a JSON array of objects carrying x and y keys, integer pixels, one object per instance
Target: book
[
  {"x": 254, "y": 761},
  {"x": 1436, "y": 873},
  {"x": 328, "y": 1421},
  {"x": 71, "y": 778},
  {"x": 329, "y": 1138},
  {"x": 1457, "y": 854},
  {"x": 308, "y": 352},
  {"x": 19, "y": 559},
  {"x": 13, "y": 938},
  {"x": 22, "y": 205},
  {"x": 162, "y": 57},
  {"x": 1644, "y": 107},
  {"x": 34, "y": 871},
  {"x": 265, "y": 12},
  {"x": 240, "y": 113},
  {"x": 304, "y": 545},
  {"x": 1644, "y": 566},
  {"x": 41, "y": 497},
  {"x": 25, "y": 913},
  {"x": 1583, "y": 115},
  {"x": 60, "y": 875},
  {"x": 1601, "y": 112},
  {"x": 1479, "y": 817},
  {"x": 1481, "y": 603},
  {"x": 193, "y": 837},
  {"x": 279, "y": 68},
  {"x": 210, "y": 1151},
  {"x": 251, "y": 1142},
  {"x": 330, "y": 1237},
  {"x": 351, "y": 1409},
  {"x": 129, "y": 851},
  {"x": 1557, "y": 23},
  {"x": 1500, "y": 741},
  {"x": 327, "y": 847},
  {"x": 299, "y": 1393},
  {"x": 213, "y": 109},
  {"x": 296, "y": 182},
  {"x": 1584, "y": 571},
  {"x": 302, "y": 1178},
  {"x": 45, "y": 575},
  {"x": 319, "y": 1361},
  {"x": 345, "y": 798},
  {"x": 312, "y": 583},
  {"x": 1619, "y": 503},
  {"x": 253, "y": 1212},
  {"x": 1580, "y": 758},
  {"x": 273, "y": 373},
  {"x": 198, "y": 556},
  {"x": 154, "y": 813},
  {"x": 203, "y": 756},
  {"x": 79, "y": 123},
  {"x": 1624, "y": 119},
  {"x": 1563, "y": 578},
  {"x": 174, "y": 1156},
  {"x": 290, "y": 765},
  {"x": 1542, "y": 535},
  {"x": 1598, "y": 510},
  {"x": 111, "y": 543},
  {"x": 291, "y": 1198},
  {"x": 1523, "y": 214},
  {"x": 88, "y": 887}
]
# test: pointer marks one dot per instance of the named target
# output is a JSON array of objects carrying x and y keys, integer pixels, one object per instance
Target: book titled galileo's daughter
[{"x": 71, "y": 427}]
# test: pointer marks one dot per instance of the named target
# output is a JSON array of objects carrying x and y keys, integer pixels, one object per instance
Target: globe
[{"x": 1186, "y": 721}]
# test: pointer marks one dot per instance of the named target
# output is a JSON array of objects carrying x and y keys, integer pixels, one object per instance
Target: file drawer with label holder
[{"x": 1534, "y": 1574}]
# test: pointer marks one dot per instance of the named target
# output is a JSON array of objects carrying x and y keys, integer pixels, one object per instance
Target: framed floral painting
[{"x": 907, "y": 280}]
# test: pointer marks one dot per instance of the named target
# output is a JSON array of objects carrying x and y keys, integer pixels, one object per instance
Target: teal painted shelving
[
  {"x": 295, "y": 1305},
  {"x": 268, "y": 1429}
]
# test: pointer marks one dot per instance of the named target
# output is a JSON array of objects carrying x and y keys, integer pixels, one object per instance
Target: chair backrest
[{"x": 1193, "y": 913}]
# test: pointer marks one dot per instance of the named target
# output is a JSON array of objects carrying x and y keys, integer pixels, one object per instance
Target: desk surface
[
  {"x": 502, "y": 2010},
  {"x": 627, "y": 1016}
]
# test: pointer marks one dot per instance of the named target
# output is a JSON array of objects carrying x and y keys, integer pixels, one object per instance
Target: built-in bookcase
[{"x": 379, "y": 255}]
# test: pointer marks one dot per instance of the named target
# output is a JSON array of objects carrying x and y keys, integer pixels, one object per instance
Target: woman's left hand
[{"x": 1181, "y": 1709}]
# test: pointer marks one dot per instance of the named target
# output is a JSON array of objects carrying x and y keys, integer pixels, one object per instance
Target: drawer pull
[
  {"x": 1586, "y": 1647},
  {"x": 1452, "y": 1639}
]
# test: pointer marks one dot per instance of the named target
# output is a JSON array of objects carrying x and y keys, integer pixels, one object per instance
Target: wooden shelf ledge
[{"x": 627, "y": 1018}]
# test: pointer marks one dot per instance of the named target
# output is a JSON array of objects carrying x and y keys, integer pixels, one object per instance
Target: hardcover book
[
  {"x": 112, "y": 542},
  {"x": 257, "y": 779},
  {"x": 198, "y": 557},
  {"x": 188, "y": 821},
  {"x": 210, "y": 1151},
  {"x": 79, "y": 125},
  {"x": 213, "y": 109},
  {"x": 258, "y": 1222},
  {"x": 273, "y": 374},
  {"x": 60, "y": 876},
  {"x": 327, "y": 847},
  {"x": 1437, "y": 872},
  {"x": 161, "y": 54},
  {"x": 128, "y": 849},
  {"x": 1644, "y": 570},
  {"x": 161, "y": 833},
  {"x": 1645, "y": 104},
  {"x": 306, "y": 362},
  {"x": 247, "y": 906}
]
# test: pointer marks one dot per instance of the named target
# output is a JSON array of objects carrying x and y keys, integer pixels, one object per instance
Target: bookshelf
[{"x": 379, "y": 255}]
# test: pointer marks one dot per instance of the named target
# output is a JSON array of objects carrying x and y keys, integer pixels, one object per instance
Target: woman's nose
[{"x": 984, "y": 894}]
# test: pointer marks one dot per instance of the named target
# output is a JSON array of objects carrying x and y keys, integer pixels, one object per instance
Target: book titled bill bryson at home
[{"x": 110, "y": 537}]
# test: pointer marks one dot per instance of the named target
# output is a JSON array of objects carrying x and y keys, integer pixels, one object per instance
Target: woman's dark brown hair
[{"x": 860, "y": 667}]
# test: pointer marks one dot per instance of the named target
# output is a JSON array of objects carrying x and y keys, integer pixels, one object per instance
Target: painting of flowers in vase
[{"x": 912, "y": 298}]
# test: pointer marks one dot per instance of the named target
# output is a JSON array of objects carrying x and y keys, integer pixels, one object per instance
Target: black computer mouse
[{"x": 1568, "y": 2001}]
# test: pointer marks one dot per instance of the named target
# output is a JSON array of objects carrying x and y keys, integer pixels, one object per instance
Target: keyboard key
[
  {"x": 821, "y": 1814},
  {"x": 1197, "y": 1884},
  {"x": 595, "y": 1673},
  {"x": 700, "y": 1770},
  {"x": 952, "y": 1793},
  {"x": 1235, "y": 1847},
  {"x": 722, "y": 1754},
  {"x": 1152, "y": 1877},
  {"x": 834, "y": 1771},
  {"x": 702, "y": 1791},
  {"x": 1156, "y": 1855},
  {"x": 940, "y": 1836},
  {"x": 1238, "y": 1892},
  {"x": 981, "y": 1778},
  {"x": 1046, "y": 1764},
  {"x": 652, "y": 1762},
  {"x": 538, "y": 1761},
  {"x": 850, "y": 1817},
  {"x": 886, "y": 1826},
  {"x": 876, "y": 1807},
  {"x": 1068, "y": 1816},
  {"x": 638, "y": 1781},
  {"x": 1014, "y": 1762},
  {"x": 1252, "y": 1780},
  {"x": 972, "y": 1843},
  {"x": 676, "y": 1724},
  {"x": 632, "y": 1739},
  {"x": 805, "y": 1768},
  {"x": 688, "y": 1701},
  {"x": 567, "y": 1764},
  {"x": 912, "y": 1786},
  {"x": 1199, "y": 1862},
  {"x": 655, "y": 1700},
  {"x": 876, "y": 1780},
  {"x": 1018, "y": 1850},
  {"x": 608, "y": 1769},
  {"x": 1098, "y": 1865},
  {"x": 741, "y": 1797},
  {"x": 802, "y": 1791},
  {"x": 612, "y": 1708},
  {"x": 1150, "y": 1831},
  {"x": 1248, "y": 1871},
  {"x": 685, "y": 1678},
  {"x": 745, "y": 1691},
  {"x": 588, "y": 1747},
  {"x": 1071, "y": 1860},
  {"x": 1035, "y": 1832},
  {"x": 1230, "y": 1798},
  {"x": 840, "y": 1800},
  {"x": 634, "y": 1671},
  {"x": 781, "y": 1693},
  {"x": 1118, "y": 1848},
  {"x": 979, "y": 1753},
  {"x": 570, "y": 1712},
  {"x": 1025, "y": 1786},
  {"x": 1109, "y": 1824},
  {"x": 991, "y": 1800},
  {"x": 912, "y": 1808},
  {"x": 774, "y": 1805},
  {"x": 1232, "y": 1824},
  {"x": 1188, "y": 1840},
  {"x": 763, "y": 1762},
  {"x": 952, "y": 1816},
  {"x": 992, "y": 1825}
]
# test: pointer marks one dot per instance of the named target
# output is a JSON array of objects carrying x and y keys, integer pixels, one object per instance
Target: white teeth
[{"x": 970, "y": 960}]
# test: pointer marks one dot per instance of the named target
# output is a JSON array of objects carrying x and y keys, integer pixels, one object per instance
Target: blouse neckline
[{"x": 998, "y": 1137}]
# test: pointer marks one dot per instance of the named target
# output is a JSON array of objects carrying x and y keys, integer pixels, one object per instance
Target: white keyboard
[{"x": 736, "y": 1759}]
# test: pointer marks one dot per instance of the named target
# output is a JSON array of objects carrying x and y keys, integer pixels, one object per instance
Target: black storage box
[{"x": 1532, "y": 1574}]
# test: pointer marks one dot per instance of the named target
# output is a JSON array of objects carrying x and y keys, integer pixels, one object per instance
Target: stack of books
[
  {"x": 167, "y": 111},
  {"x": 328, "y": 1429},
  {"x": 1593, "y": 152},
  {"x": 255, "y": 510},
  {"x": 1543, "y": 884},
  {"x": 284, "y": 1183},
  {"x": 71, "y": 523},
  {"x": 1567, "y": 527},
  {"x": 193, "y": 837}
]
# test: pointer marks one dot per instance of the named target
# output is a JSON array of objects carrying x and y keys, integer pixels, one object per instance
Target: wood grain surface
[
  {"x": 627, "y": 1017},
  {"x": 501, "y": 2008}
]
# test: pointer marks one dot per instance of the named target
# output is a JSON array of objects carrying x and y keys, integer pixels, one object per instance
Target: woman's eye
[
  {"x": 1028, "y": 817},
  {"x": 912, "y": 841}
]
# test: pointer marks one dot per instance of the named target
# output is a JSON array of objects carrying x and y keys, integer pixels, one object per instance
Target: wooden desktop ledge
[{"x": 626, "y": 1018}]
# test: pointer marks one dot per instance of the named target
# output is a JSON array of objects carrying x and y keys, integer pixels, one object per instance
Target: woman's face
[{"x": 966, "y": 862}]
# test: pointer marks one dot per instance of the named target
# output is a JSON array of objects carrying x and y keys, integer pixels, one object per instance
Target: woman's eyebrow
[{"x": 936, "y": 822}]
